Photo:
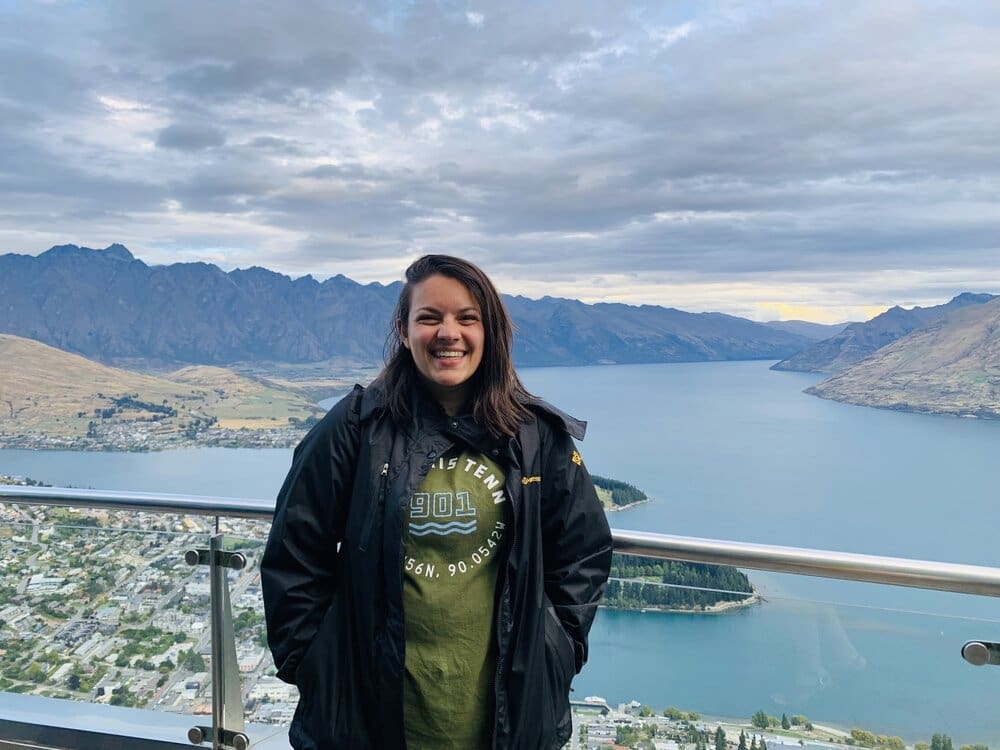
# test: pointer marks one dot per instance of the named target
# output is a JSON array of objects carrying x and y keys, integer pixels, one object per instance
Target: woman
[{"x": 438, "y": 550}]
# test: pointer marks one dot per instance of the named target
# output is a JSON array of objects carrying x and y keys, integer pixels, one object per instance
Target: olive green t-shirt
[{"x": 454, "y": 528}]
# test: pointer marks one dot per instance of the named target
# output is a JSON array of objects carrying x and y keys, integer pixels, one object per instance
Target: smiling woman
[
  {"x": 444, "y": 335},
  {"x": 441, "y": 525}
]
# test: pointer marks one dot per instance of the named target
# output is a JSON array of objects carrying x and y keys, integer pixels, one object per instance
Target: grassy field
[{"x": 44, "y": 390}]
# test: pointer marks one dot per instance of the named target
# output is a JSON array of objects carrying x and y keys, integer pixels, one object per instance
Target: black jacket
[{"x": 334, "y": 614}]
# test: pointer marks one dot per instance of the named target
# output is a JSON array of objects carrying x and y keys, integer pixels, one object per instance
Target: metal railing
[
  {"x": 895, "y": 571},
  {"x": 227, "y": 730}
]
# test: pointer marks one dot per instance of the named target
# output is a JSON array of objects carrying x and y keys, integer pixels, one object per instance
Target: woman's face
[{"x": 444, "y": 333}]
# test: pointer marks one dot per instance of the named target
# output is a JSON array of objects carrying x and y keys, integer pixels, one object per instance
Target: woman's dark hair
[{"x": 497, "y": 395}]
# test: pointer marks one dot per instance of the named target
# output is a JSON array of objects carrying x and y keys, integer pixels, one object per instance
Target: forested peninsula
[
  {"x": 644, "y": 583},
  {"x": 616, "y": 495}
]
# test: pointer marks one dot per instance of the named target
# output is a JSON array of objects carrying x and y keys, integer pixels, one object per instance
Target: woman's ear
[{"x": 401, "y": 330}]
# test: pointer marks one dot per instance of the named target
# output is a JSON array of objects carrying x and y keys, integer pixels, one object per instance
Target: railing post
[{"x": 227, "y": 730}]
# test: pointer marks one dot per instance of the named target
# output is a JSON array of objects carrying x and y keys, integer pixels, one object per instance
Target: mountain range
[
  {"x": 949, "y": 366},
  {"x": 291, "y": 335},
  {"x": 110, "y": 306},
  {"x": 859, "y": 340}
]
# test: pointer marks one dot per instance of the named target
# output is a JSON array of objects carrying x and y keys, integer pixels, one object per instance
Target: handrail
[
  {"x": 851, "y": 566},
  {"x": 896, "y": 571},
  {"x": 148, "y": 502}
]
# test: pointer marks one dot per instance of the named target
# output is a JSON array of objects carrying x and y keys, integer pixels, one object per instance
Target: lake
[{"x": 735, "y": 451}]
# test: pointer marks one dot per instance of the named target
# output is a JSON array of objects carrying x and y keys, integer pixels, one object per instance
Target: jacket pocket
[
  {"x": 377, "y": 501},
  {"x": 560, "y": 661},
  {"x": 322, "y": 680},
  {"x": 305, "y": 672},
  {"x": 559, "y": 642}
]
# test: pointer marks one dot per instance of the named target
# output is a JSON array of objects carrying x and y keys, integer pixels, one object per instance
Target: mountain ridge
[
  {"x": 950, "y": 366},
  {"x": 859, "y": 340},
  {"x": 110, "y": 306}
]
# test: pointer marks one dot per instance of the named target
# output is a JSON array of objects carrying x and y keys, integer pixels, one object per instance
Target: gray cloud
[
  {"x": 277, "y": 145},
  {"x": 189, "y": 137},
  {"x": 273, "y": 79}
]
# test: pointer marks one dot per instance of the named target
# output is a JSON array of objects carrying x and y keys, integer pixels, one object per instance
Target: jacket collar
[
  {"x": 374, "y": 400},
  {"x": 576, "y": 428}
]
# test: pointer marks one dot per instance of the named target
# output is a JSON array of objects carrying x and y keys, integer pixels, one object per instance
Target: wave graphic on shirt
[{"x": 442, "y": 529}]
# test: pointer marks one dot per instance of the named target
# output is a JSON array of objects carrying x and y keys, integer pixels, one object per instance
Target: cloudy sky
[{"x": 777, "y": 160}]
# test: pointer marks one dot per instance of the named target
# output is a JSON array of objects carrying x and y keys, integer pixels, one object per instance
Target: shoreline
[
  {"x": 928, "y": 410},
  {"x": 282, "y": 437},
  {"x": 718, "y": 608},
  {"x": 822, "y": 734},
  {"x": 617, "y": 508}
]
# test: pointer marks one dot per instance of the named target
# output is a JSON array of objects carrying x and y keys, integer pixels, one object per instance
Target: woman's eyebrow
[{"x": 432, "y": 309}]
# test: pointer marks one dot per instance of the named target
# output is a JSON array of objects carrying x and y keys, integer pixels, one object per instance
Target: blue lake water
[{"x": 735, "y": 451}]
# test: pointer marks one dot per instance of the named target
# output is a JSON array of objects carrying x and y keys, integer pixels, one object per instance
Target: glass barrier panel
[
  {"x": 803, "y": 661},
  {"x": 266, "y": 699},
  {"x": 100, "y": 606}
]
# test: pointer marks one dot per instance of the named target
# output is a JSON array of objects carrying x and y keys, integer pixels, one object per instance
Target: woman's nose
[{"x": 447, "y": 331}]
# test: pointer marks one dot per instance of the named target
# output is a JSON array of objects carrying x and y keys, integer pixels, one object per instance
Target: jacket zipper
[
  {"x": 370, "y": 520},
  {"x": 504, "y": 597}
]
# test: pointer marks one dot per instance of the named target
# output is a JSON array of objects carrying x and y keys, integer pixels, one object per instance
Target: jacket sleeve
[
  {"x": 576, "y": 540},
  {"x": 299, "y": 570}
]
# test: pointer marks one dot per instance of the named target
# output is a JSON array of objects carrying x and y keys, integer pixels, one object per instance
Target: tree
[
  {"x": 743, "y": 740},
  {"x": 645, "y": 711},
  {"x": 763, "y": 745},
  {"x": 785, "y": 723},
  {"x": 192, "y": 660},
  {"x": 627, "y": 736},
  {"x": 863, "y": 737},
  {"x": 941, "y": 742},
  {"x": 720, "y": 739},
  {"x": 759, "y": 720},
  {"x": 753, "y": 742},
  {"x": 35, "y": 672},
  {"x": 123, "y": 697}
]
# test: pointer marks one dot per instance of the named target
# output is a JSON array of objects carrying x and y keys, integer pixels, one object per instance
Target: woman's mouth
[{"x": 448, "y": 354}]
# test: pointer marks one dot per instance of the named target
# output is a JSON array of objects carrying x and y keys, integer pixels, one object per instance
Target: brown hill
[
  {"x": 859, "y": 340},
  {"x": 47, "y": 391},
  {"x": 951, "y": 366}
]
